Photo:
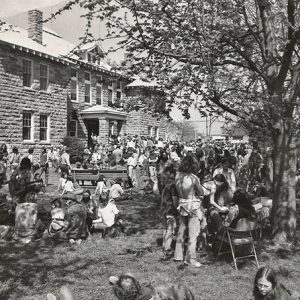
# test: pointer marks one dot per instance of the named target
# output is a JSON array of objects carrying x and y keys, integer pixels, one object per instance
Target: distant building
[{"x": 50, "y": 89}]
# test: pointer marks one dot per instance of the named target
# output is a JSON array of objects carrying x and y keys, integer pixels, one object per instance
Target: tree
[{"x": 237, "y": 56}]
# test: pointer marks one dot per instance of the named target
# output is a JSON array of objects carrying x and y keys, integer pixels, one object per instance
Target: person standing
[
  {"x": 44, "y": 165},
  {"x": 190, "y": 208},
  {"x": 65, "y": 165}
]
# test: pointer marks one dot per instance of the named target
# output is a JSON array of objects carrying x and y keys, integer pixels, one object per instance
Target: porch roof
[{"x": 99, "y": 111}]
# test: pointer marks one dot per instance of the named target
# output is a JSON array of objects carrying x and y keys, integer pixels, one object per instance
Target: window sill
[{"x": 75, "y": 101}]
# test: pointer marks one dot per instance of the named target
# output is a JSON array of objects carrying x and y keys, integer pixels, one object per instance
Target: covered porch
[{"x": 103, "y": 122}]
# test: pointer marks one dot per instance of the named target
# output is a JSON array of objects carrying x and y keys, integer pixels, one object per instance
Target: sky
[
  {"x": 13, "y": 7},
  {"x": 71, "y": 32}
]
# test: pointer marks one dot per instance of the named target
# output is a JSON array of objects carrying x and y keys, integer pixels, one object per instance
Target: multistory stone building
[{"x": 49, "y": 89}]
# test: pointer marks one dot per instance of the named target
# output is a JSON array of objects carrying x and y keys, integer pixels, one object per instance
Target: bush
[{"x": 76, "y": 147}]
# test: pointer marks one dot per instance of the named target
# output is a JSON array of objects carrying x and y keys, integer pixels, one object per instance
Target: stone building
[{"x": 49, "y": 89}]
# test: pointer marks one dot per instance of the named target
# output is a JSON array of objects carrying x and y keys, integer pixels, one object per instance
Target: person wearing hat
[
  {"x": 227, "y": 172},
  {"x": 75, "y": 219}
]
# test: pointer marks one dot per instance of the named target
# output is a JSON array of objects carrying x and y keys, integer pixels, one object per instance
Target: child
[
  {"x": 266, "y": 286},
  {"x": 62, "y": 182},
  {"x": 58, "y": 218},
  {"x": 102, "y": 189}
]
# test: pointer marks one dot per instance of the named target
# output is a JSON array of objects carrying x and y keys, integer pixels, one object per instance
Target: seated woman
[
  {"x": 57, "y": 224},
  {"x": 266, "y": 286},
  {"x": 220, "y": 196},
  {"x": 69, "y": 187},
  {"x": 241, "y": 207},
  {"x": 116, "y": 191},
  {"x": 75, "y": 220},
  {"x": 101, "y": 189},
  {"x": 91, "y": 208}
]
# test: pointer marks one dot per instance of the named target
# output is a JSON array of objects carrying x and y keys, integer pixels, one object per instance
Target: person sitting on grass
[
  {"x": 27, "y": 225},
  {"x": 127, "y": 287},
  {"x": 91, "y": 208},
  {"x": 69, "y": 187},
  {"x": 101, "y": 189},
  {"x": 108, "y": 217},
  {"x": 116, "y": 191},
  {"x": 39, "y": 183},
  {"x": 57, "y": 224},
  {"x": 62, "y": 182},
  {"x": 266, "y": 286},
  {"x": 75, "y": 220}
]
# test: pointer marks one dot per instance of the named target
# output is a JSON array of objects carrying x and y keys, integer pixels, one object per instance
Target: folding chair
[{"x": 239, "y": 236}]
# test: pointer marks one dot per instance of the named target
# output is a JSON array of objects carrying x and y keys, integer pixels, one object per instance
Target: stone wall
[{"x": 16, "y": 99}]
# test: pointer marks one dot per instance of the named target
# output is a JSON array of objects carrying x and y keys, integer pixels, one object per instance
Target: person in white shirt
[
  {"x": 69, "y": 187},
  {"x": 116, "y": 191},
  {"x": 131, "y": 168},
  {"x": 101, "y": 189}
]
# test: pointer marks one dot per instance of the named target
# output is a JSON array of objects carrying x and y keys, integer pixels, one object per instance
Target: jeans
[
  {"x": 193, "y": 223},
  {"x": 169, "y": 233}
]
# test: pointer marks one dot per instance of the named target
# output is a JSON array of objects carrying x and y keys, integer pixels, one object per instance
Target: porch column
[
  {"x": 122, "y": 127},
  {"x": 103, "y": 130}
]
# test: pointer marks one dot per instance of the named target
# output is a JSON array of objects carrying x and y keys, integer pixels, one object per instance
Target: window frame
[
  {"x": 110, "y": 87},
  {"x": 31, "y": 139},
  {"x": 90, "y": 84},
  {"x": 47, "y": 78},
  {"x": 31, "y": 74},
  {"x": 47, "y": 128}
]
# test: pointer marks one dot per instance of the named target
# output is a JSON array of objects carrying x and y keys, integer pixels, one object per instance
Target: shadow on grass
[{"x": 33, "y": 265}]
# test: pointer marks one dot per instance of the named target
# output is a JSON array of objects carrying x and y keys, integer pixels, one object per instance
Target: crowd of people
[{"x": 203, "y": 187}]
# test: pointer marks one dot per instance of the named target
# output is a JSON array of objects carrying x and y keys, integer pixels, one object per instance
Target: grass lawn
[{"x": 31, "y": 271}]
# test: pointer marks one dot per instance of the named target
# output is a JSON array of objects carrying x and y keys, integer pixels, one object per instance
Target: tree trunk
[{"x": 283, "y": 215}]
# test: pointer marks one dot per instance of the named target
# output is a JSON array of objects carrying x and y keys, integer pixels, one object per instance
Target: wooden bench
[{"x": 93, "y": 174}]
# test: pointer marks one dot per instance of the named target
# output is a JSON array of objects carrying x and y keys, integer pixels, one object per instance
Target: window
[
  {"x": 74, "y": 85},
  {"x": 98, "y": 90},
  {"x": 27, "y": 72},
  {"x": 87, "y": 87},
  {"x": 72, "y": 128},
  {"x": 44, "y": 77},
  {"x": 27, "y": 126},
  {"x": 44, "y": 128},
  {"x": 110, "y": 94}
]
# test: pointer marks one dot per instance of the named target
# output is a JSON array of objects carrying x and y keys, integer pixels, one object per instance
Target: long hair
[
  {"x": 222, "y": 188},
  {"x": 174, "y": 292},
  {"x": 189, "y": 164},
  {"x": 267, "y": 273},
  {"x": 242, "y": 199},
  {"x": 127, "y": 288}
]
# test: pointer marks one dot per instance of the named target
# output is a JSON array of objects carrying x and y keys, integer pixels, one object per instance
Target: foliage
[
  {"x": 235, "y": 56},
  {"x": 76, "y": 147}
]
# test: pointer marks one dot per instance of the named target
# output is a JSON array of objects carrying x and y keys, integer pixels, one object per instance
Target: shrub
[{"x": 76, "y": 147}]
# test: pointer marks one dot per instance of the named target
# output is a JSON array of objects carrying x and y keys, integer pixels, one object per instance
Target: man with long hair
[{"x": 191, "y": 213}]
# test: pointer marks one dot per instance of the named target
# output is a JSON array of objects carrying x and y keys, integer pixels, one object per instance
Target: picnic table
[{"x": 92, "y": 175}]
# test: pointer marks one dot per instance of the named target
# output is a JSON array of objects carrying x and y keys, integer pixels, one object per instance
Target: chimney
[{"x": 35, "y": 25}]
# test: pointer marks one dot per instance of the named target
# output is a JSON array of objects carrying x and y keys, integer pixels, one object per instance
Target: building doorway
[{"x": 92, "y": 126}]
